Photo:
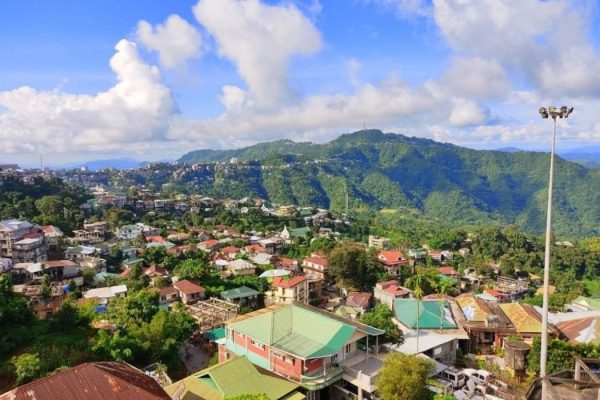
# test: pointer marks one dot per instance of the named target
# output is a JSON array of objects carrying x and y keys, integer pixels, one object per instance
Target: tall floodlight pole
[{"x": 552, "y": 112}]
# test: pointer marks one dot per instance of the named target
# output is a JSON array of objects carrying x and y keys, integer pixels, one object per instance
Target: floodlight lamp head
[{"x": 543, "y": 112}]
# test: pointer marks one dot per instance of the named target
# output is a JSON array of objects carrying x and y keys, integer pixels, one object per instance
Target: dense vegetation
[
  {"x": 378, "y": 171},
  {"x": 42, "y": 201}
]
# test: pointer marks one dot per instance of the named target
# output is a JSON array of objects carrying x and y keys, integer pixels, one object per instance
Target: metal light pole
[{"x": 554, "y": 113}]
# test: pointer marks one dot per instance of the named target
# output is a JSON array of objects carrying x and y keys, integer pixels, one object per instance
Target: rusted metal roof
[{"x": 109, "y": 380}]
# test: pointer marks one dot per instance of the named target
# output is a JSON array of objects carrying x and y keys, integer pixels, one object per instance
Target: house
[
  {"x": 417, "y": 253},
  {"x": 31, "y": 271},
  {"x": 392, "y": 261},
  {"x": 254, "y": 248},
  {"x": 106, "y": 380},
  {"x": 241, "y": 267},
  {"x": 189, "y": 292},
  {"x": 316, "y": 265},
  {"x": 499, "y": 296},
  {"x": 5, "y": 264},
  {"x": 379, "y": 242},
  {"x": 288, "y": 264},
  {"x": 104, "y": 294},
  {"x": 53, "y": 237},
  {"x": 168, "y": 295},
  {"x": 388, "y": 291},
  {"x": 61, "y": 269},
  {"x": 448, "y": 271},
  {"x": 130, "y": 232},
  {"x": 583, "y": 303},
  {"x": 273, "y": 245},
  {"x": 234, "y": 377},
  {"x": 287, "y": 291},
  {"x": 230, "y": 252},
  {"x": 100, "y": 228},
  {"x": 209, "y": 246},
  {"x": 441, "y": 348},
  {"x": 426, "y": 314},
  {"x": 282, "y": 339},
  {"x": 86, "y": 237},
  {"x": 359, "y": 300},
  {"x": 156, "y": 271},
  {"x": 79, "y": 253},
  {"x": 31, "y": 248},
  {"x": 42, "y": 306},
  {"x": 578, "y": 327},
  {"x": 11, "y": 231},
  {"x": 244, "y": 296},
  {"x": 526, "y": 320}
]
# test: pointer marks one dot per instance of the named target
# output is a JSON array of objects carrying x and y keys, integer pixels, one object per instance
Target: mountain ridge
[{"x": 385, "y": 170}]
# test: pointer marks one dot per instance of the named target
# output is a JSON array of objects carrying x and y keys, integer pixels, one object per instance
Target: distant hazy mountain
[
  {"x": 588, "y": 157},
  {"x": 380, "y": 170}
]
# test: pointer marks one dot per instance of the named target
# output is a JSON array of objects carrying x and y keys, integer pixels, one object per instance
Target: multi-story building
[
  {"x": 11, "y": 231},
  {"x": 379, "y": 242},
  {"x": 287, "y": 291},
  {"x": 30, "y": 250},
  {"x": 316, "y": 349},
  {"x": 393, "y": 261},
  {"x": 316, "y": 265}
]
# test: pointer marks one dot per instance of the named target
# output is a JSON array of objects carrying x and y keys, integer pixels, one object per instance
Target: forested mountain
[{"x": 378, "y": 170}]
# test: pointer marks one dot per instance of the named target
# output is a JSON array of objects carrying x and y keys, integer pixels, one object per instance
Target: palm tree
[{"x": 416, "y": 282}]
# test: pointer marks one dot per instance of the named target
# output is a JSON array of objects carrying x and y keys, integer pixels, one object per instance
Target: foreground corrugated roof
[
  {"x": 239, "y": 292},
  {"x": 296, "y": 330},
  {"x": 232, "y": 378},
  {"x": 431, "y": 314},
  {"x": 109, "y": 380}
]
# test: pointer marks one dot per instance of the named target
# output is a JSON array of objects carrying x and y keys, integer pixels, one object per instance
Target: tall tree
[{"x": 403, "y": 377}]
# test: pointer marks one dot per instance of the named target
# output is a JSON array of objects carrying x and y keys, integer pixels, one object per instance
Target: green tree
[
  {"x": 381, "y": 318},
  {"x": 353, "y": 266},
  {"x": 403, "y": 377},
  {"x": 27, "y": 367}
]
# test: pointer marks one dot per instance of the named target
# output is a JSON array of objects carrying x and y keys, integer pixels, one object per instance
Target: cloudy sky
[{"x": 83, "y": 80}]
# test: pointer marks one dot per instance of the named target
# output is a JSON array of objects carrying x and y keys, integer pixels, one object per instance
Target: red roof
[
  {"x": 167, "y": 291},
  {"x": 494, "y": 293},
  {"x": 155, "y": 239},
  {"x": 391, "y": 257},
  {"x": 288, "y": 283},
  {"x": 392, "y": 287},
  {"x": 254, "y": 248},
  {"x": 209, "y": 243},
  {"x": 436, "y": 296},
  {"x": 358, "y": 299},
  {"x": 447, "y": 271},
  {"x": 155, "y": 270},
  {"x": 188, "y": 287},
  {"x": 317, "y": 260},
  {"x": 287, "y": 262},
  {"x": 50, "y": 229},
  {"x": 108, "y": 380},
  {"x": 60, "y": 264},
  {"x": 230, "y": 249}
]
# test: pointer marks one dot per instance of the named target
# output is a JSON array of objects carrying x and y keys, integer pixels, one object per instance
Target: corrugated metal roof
[
  {"x": 240, "y": 292},
  {"x": 92, "y": 381},
  {"x": 232, "y": 378},
  {"x": 523, "y": 317},
  {"x": 473, "y": 308},
  {"x": 431, "y": 314},
  {"x": 297, "y": 330}
]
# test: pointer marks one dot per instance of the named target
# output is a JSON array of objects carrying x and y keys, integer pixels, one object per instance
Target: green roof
[
  {"x": 215, "y": 334},
  {"x": 590, "y": 303},
  {"x": 232, "y": 378},
  {"x": 238, "y": 293},
  {"x": 431, "y": 315},
  {"x": 297, "y": 330}
]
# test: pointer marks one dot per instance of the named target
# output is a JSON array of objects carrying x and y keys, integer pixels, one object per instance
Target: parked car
[
  {"x": 479, "y": 376},
  {"x": 454, "y": 376}
]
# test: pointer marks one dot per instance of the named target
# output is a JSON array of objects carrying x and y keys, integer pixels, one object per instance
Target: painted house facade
[{"x": 283, "y": 339}]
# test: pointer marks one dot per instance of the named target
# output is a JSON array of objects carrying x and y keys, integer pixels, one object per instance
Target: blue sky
[{"x": 152, "y": 80}]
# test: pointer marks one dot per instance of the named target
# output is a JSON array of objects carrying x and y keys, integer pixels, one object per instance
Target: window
[
  {"x": 347, "y": 349},
  {"x": 257, "y": 344}
]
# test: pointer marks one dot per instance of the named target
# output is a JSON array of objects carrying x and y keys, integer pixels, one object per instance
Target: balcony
[
  {"x": 361, "y": 370},
  {"x": 322, "y": 377}
]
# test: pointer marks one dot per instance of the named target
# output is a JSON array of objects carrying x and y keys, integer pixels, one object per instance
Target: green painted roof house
[
  {"x": 430, "y": 314},
  {"x": 241, "y": 292},
  {"x": 232, "y": 378}
]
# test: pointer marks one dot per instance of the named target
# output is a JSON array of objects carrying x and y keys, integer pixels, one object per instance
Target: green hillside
[{"x": 378, "y": 170}]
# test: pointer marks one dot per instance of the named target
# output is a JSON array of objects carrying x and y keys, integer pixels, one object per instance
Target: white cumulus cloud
[
  {"x": 260, "y": 39},
  {"x": 136, "y": 109},
  {"x": 175, "y": 41}
]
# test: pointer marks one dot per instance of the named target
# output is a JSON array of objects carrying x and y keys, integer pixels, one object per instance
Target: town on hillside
[{"x": 216, "y": 298}]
